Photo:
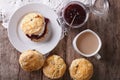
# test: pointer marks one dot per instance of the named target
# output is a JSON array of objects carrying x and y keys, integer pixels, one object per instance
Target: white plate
[{"x": 18, "y": 38}]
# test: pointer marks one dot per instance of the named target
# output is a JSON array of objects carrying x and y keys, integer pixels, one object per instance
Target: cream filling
[{"x": 42, "y": 31}]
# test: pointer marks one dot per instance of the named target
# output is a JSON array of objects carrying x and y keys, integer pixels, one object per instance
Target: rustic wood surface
[{"x": 108, "y": 68}]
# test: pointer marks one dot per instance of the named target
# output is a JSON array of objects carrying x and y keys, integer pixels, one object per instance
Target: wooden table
[{"x": 108, "y": 68}]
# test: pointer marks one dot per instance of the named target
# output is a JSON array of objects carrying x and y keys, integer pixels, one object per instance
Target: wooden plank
[{"x": 108, "y": 68}]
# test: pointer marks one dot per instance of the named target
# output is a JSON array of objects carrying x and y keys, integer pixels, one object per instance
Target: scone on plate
[
  {"x": 31, "y": 60},
  {"x": 35, "y": 26},
  {"x": 54, "y": 67},
  {"x": 81, "y": 69}
]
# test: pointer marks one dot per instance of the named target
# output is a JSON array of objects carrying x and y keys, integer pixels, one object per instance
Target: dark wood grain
[{"x": 108, "y": 68}]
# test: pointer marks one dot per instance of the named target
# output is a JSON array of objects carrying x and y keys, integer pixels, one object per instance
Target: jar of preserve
[{"x": 75, "y": 14}]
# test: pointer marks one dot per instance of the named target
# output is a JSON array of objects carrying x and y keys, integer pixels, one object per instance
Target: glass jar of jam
[{"x": 74, "y": 14}]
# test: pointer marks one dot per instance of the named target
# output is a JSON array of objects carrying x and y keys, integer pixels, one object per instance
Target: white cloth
[{"x": 8, "y": 7}]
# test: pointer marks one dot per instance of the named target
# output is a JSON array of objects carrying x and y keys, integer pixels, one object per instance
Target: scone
[
  {"x": 35, "y": 27},
  {"x": 81, "y": 69},
  {"x": 54, "y": 67},
  {"x": 31, "y": 60}
]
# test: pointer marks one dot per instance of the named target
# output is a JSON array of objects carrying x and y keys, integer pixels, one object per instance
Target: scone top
[
  {"x": 33, "y": 24},
  {"x": 54, "y": 67},
  {"x": 81, "y": 69},
  {"x": 31, "y": 60}
]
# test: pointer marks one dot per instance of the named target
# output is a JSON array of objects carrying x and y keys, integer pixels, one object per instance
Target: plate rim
[{"x": 8, "y": 29}]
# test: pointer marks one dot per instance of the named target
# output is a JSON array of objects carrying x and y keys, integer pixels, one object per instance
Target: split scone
[{"x": 35, "y": 27}]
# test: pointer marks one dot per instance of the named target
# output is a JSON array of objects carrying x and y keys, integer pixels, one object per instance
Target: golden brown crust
[
  {"x": 54, "y": 67},
  {"x": 32, "y": 24},
  {"x": 81, "y": 69},
  {"x": 31, "y": 60}
]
